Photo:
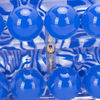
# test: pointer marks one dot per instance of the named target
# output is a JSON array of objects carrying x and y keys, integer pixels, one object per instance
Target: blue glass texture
[
  {"x": 6, "y": 7},
  {"x": 91, "y": 81},
  {"x": 75, "y": 3},
  {"x": 27, "y": 84},
  {"x": 15, "y": 3},
  {"x": 91, "y": 20},
  {"x": 24, "y": 23},
  {"x": 24, "y": 2},
  {"x": 2, "y": 24},
  {"x": 64, "y": 83},
  {"x": 34, "y": 2},
  {"x": 62, "y": 21}
]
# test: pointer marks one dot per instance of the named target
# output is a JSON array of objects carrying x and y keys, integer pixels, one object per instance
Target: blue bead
[
  {"x": 2, "y": 24},
  {"x": 24, "y": 23},
  {"x": 64, "y": 83},
  {"x": 27, "y": 84},
  {"x": 91, "y": 81},
  {"x": 91, "y": 20},
  {"x": 62, "y": 21},
  {"x": 4, "y": 86}
]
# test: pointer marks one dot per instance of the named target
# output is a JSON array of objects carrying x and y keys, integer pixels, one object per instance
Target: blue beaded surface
[
  {"x": 91, "y": 20},
  {"x": 16, "y": 54},
  {"x": 24, "y": 23},
  {"x": 61, "y": 21},
  {"x": 27, "y": 84},
  {"x": 92, "y": 81},
  {"x": 64, "y": 83},
  {"x": 4, "y": 86}
]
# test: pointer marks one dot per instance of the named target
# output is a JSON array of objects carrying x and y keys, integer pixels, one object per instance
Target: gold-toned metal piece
[
  {"x": 50, "y": 49},
  {"x": 50, "y": 65}
]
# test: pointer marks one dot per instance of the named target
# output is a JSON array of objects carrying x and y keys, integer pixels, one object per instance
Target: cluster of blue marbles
[
  {"x": 28, "y": 84},
  {"x": 25, "y": 22},
  {"x": 63, "y": 83},
  {"x": 61, "y": 22}
]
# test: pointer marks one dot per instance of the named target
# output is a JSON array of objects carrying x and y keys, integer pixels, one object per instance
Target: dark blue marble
[
  {"x": 62, "y": 21},
  {"x": 27, "y": 84},
  {"x": 91, "y": 20},
  {"x": 91, "y": 81},
  {"x": 64, "y": 83},
  {"x": 24, "y": 23}
]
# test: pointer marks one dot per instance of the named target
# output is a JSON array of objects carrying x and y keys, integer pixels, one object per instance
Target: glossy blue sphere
[
  {"x": 27, "y": 84},
  {"x": 4, "y": 86},
  {"x": 91, "y": 20},
  {"x": 61, "y": 21},
  {"x": 91, "y": 81},
  {"x": 2, "y": 24},
  {"x": 64, "y": 83},
  {"x": 24, "y": 23}
]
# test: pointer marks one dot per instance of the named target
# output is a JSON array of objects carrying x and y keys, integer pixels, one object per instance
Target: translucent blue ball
[
  {"x": 91, "y": 20},
  {"x": 91, "y": 81},
  {"x": 4, "y": 86},
  {"x": 2, "y": 24},
  {"x": 27, "y": 84},
  {"x": 24, "y": 23},
  {"x": 61, "y": 21},
  {"x": 64, "y": 83}
]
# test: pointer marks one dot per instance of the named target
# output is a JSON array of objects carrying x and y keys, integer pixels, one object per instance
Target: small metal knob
[{"x": 50, "y": 49}]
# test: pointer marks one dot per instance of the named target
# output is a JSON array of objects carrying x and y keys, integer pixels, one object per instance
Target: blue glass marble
[
  {"x": 64, "y": 83},
  {"x": 27, "y": 84},
  {"x": 91, "y": 81},
  {"x": 24, "y": 23},
  {"x": 4, "y": 86},
  {"x": 61, "y": 21},
  {"x": 91, "y": 20},
  {"x": 2, "y": 24}
]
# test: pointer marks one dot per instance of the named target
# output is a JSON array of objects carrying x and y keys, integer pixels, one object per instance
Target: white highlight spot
[
  {"x": 25, "y": 12},
  {"x": 62, "y": 10}
]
